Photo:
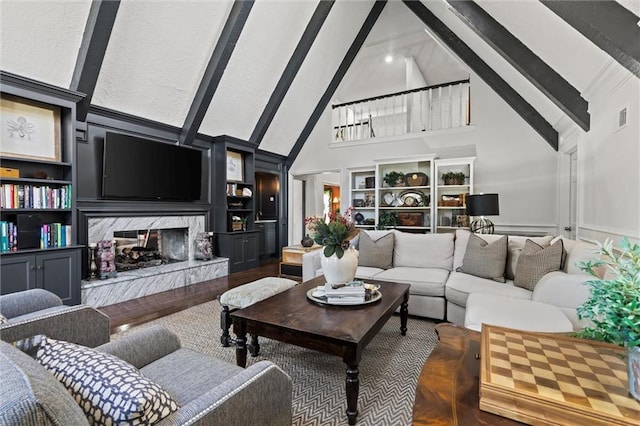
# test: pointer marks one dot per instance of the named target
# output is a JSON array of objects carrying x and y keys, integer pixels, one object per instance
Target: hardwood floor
[{"x": 138, "y": 311}]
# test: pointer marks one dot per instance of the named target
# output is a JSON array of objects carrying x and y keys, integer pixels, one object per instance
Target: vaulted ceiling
[{"x": 264, "y": 70}]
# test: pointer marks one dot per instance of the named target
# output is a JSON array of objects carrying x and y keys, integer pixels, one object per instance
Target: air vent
[{"x": 622, "y": 118}]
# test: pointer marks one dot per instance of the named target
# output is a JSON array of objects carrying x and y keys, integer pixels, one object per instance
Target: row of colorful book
[
  {"x": 51, "y": 235},
  {"x": 17, "y": 196}
]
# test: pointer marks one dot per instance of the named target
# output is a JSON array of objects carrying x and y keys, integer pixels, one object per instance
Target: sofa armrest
[
  {"x": 260, "y": 394},
  {"x": 562, "y": 289},
  {"x": 24, "y": 302},
  {"x": 311, "y": 262},
  {"x": 79, "y": 324},
  {"x": 143, "y": 347}
]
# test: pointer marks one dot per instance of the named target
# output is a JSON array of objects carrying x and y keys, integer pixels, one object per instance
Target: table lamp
[{"x": 482, "y": 205}]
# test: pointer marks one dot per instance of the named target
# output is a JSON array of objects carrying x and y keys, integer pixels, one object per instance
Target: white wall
[
  {"x": 512, "y": 159},
  {"x": 609, "y": 159}
]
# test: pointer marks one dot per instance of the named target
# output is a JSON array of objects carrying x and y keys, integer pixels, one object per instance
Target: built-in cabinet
[
  {"x": 38, "y": 229},
  {"x": 267, "y": 244},
  {"x": 57, "y": 271},
  {"x": 412, "y": 194},
  {"x": 236, "y": 236}
]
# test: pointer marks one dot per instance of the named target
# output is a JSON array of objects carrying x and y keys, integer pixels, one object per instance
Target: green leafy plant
[
  {"x": 614, "y": 304},
  {"x": 453, "y": 176},
  {"x": 334, "y": 234},
  {"x": 393, "y": 178},
  {"x": 387, "y": 220}
]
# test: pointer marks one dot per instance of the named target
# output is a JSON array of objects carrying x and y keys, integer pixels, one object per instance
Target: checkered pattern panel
[{"x": 108, "y": 389}]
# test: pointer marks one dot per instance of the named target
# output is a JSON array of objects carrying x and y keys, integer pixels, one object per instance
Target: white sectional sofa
[{"x": 429, "y": 262}]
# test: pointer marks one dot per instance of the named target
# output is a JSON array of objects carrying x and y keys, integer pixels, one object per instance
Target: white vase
[{"x": 340, "y": 271}]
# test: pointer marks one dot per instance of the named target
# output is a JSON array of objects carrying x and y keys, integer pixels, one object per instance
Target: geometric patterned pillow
[
  {"x": 536, "y": 261},
  {"x": 108, "y": 389}
]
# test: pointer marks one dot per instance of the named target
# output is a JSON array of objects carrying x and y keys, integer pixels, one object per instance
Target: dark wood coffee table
[
  {"x": 448, "y": 389},
  {"x": 343, "y": 331}
]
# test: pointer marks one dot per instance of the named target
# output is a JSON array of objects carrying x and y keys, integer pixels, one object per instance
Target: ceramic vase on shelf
[
  {"x": 340, "y": 271},
  {"x": 307, "y": 241}
]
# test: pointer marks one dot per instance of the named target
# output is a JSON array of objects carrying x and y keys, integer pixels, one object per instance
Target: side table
[
  {"x": 448, "y": 388},
  {"x": 291, "y": 264}
]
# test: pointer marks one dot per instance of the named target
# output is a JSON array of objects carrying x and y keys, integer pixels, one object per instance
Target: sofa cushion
[
  {"x": 484, "y": 259},
  {"x": 516, "y": 243},
  {"x": 460, "y": 285},
  {"x": 198, "y": 373},
  {"x": 423, "y": 281},
  {"x": 108, "y": 389},
  {"x": 423, "y": 250},
  {"x": 535, "y": 261},
  {"x": 376, "y": 252},
  {"x": 576, "y": 251},
  {"x": 367, "y": 272},
  {"x": 30, "y": 396},
  {"x": 509, "y": 312}
]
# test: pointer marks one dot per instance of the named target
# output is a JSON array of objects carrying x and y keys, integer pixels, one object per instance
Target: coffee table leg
[
  {"x": 353, "y": 388},
  {"x": 404, "y": 314},
  {"x": 240, "y": 330}
]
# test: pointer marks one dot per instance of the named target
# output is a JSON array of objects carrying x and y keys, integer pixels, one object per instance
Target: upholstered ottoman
[
  {"x": 515, "y": 313},
  {"x": 246, "y": 295}
]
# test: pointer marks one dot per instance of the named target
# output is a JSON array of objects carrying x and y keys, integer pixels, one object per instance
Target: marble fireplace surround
[{"x": 142, "y": 282}]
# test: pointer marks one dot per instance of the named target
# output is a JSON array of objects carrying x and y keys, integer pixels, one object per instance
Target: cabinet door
[
  {"x": 261, "y": 239},
  {"x": 17, "y": 273},
  {"x": 251, "y": 250},
  {"x": 236, "y": 260},
  {"x": 58, "y": 272},
  {"x": 270, "y": 248}
]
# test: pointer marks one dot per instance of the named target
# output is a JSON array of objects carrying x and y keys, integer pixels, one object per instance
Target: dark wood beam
[
  {"x": 541, "y": 75},
  {"x": 290, "y": 71},
  {"x": 215, "y": 69},
  {"x": 608, "y": 24},
  {"x": 485, "y": 72},
  {"x": 94, "y": 43},
  {"x": 368, "y": 24}
]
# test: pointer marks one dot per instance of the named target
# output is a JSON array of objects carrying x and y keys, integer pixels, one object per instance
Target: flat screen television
[{"x": 138, "y": 168}]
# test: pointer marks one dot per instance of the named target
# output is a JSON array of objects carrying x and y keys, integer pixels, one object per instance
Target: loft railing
[{"x": 443, "y": 106}]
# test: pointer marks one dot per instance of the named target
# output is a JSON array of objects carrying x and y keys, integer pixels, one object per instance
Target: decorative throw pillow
[
  {"x": 515, "y": 245},
  {"x": 536, "y": 261},
  {"x": 485, "y": 260},
  {"x": 108, "y": 389},
  {"x": 376, "y": 253},
  {"x": 3, "y": 319}
]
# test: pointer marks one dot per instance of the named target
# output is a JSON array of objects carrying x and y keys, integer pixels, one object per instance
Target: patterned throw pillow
[
  {"x": 378, "y": 253},
  {"x": 3, "y": 319},
  {"x": 108, "y": 389},
  {"x": 485, "y": 260},
  {"x": 536, "y": 261}
]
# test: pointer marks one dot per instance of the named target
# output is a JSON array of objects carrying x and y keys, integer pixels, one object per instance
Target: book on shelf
[
  {"x": 18, "y": 196},
  {"x": 52, "y": 235}
]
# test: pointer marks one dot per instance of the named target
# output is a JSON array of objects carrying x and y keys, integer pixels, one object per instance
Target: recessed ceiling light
[{"x": 388, "y": 59}]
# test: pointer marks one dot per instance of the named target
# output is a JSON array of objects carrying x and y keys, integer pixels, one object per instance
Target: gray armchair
[
  {"x": 209, "y": 391},
  {"x": 38, "y": 311}
]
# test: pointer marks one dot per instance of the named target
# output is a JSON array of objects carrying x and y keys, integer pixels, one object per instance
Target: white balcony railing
[{"x": 443, "y": 106}]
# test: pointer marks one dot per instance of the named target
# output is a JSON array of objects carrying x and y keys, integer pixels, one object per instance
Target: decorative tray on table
[{"x": 372, "y": 295}]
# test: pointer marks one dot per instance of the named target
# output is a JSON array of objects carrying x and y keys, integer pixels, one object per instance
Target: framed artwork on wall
[
  {"x": 234, "y": 166},
  {"x": 29, "y": 129}
]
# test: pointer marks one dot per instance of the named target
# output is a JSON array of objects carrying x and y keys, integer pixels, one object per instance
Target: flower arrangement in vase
[{"x": 339, "y": 260}]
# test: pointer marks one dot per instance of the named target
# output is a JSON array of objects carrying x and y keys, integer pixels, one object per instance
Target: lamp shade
[{"x": 483, "y": 205}]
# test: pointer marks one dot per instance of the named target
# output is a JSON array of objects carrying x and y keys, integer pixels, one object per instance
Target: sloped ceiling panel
[
  {"x": 268, "y": 39},
  {"x": 333, "y": 41},
  {"x": 370, "y": 75},
  {"x": 157, "y": 55},
  {"x": 559, "y": 45},
  {"x": 519, "y": 83},
  {"x": 40, "y": 39}
]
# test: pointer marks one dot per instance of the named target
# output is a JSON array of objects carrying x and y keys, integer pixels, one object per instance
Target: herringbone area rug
[{"x": 389, "y": 369}]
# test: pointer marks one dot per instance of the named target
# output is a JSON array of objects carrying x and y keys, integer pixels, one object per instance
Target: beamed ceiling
[{"x": 265, "y": 71}]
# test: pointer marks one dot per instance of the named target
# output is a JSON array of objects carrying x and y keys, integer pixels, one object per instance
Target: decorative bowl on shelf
[
  {"x": 358, "y": 217},
  {"x": 416, "y": 179}
]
